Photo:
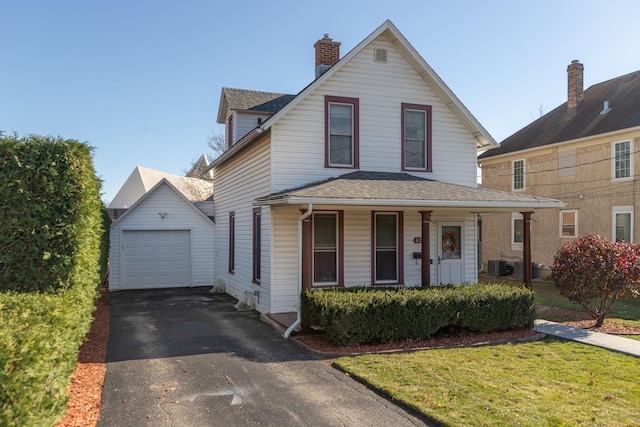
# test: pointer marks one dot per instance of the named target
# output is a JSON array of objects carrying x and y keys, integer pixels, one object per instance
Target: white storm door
[{"x": 450, "y": 253}]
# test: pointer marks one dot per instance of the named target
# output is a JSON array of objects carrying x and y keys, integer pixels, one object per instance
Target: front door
[{"x": 450, "y": 253}]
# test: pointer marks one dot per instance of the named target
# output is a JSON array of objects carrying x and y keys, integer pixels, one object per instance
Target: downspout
[{"x": 298, "y": 321}]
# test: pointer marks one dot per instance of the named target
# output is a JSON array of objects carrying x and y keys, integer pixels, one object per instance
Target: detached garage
[{"x": 162, "y": 241}]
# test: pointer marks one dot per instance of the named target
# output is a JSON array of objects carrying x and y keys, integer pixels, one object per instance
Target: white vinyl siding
[
  {"x": 180, "y": 215},
  {"x": 238, "y": 183},
  {"x": 299, "y": 150},
  {"x": 246, "y": 122}
]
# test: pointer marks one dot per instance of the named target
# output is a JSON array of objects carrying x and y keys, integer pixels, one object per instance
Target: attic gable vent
[{"x": 380, "y": 55}]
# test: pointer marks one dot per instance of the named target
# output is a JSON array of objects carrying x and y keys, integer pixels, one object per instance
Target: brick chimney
[
  {"x": 327, "y": 54},
  {"x": 575, "y": 88}
]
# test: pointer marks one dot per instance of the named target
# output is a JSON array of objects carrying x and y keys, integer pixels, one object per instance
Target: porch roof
[{"x": 364, "y": 188}]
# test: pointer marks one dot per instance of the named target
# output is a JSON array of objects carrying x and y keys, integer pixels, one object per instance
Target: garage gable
[{"x": 162, "y": 241}]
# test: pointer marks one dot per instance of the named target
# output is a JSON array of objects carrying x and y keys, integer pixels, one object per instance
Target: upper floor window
[
  {"x": 621, "y": 158},
  {"x": 416, "y": 137},
  {"x": 518, "y": 175},
  {"x": 569, "y": 223},
  {"x": 341, "y": 132}
]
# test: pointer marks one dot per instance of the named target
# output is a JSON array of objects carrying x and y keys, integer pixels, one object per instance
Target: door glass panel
[{"x": 451, "y": 243}]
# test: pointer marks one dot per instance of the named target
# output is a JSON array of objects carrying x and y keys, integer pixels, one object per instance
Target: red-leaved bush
[{"x": 594, "y": 272}]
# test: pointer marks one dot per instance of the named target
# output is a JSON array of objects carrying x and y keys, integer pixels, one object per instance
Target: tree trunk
[{"x": 599, "y": 320}]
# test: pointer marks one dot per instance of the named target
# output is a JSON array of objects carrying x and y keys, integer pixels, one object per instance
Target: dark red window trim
[
  {"x": 427, "y": 110},
  {"x": 257, "y": 244},
  {"x": 355, "y": 102},
  {"x": 232, "y": 242},
  {"x": 400, "y": 250},
  {"x": 308, "y": 262},
  {"x": 230, "y": 131}
]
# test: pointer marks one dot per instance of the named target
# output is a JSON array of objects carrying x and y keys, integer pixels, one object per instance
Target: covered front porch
[{"x": 376, "y": 228}]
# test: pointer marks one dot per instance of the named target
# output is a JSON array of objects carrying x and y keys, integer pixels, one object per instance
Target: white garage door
[{"x": 156, "y": 259}]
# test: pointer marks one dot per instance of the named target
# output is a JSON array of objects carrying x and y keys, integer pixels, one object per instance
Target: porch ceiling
[{"x": 363, "y": 188}]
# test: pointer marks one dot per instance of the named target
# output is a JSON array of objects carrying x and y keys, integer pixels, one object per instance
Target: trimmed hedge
[
  {"x": 372, "y": 314},
  {"x": 53, "y": 255}
]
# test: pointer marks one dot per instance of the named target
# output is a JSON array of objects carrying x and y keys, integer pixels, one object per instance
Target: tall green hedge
[
  {"x": 50, "y": 212},
  {"x": 370, "y": 314},
  {"x": 53, "y": 256}
]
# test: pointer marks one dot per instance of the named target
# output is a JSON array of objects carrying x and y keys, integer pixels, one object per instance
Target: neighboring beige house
[
  {"x": 582, "y": 153},
  {"x": 365, "y": 177}
]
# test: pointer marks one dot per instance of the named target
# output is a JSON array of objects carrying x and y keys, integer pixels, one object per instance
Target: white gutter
[
  {"x": 298, "y": 321},
  {"x": 478, "y": 205}
]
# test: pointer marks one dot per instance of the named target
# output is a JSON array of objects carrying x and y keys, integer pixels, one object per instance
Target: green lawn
[
  {"x": 547, "y": 294},
  {"x": 545, "y": 383}
]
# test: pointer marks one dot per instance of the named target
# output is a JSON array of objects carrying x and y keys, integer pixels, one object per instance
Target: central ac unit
[{"x": 497, "y": 268}]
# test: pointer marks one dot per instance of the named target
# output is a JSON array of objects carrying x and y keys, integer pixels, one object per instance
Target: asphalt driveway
[{"x": 186, "y": 357}]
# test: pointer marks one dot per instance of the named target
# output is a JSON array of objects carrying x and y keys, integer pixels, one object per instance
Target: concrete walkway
[{"x": 598, "y": 339}]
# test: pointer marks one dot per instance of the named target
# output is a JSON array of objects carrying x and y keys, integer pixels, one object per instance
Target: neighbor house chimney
[
  {"x": 575, "y": 88},
  {"x": 327, "y": 54}
]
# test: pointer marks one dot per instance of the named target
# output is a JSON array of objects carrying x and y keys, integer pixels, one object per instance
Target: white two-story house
[{"x": 365, "y": 177}]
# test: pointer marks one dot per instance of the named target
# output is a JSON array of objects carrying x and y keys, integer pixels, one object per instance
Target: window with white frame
[
  {"x": 622, "y": 219},
  {"x": 517, "y": 231},
  {"x": 622, "y": 160},
  {"x": 569, "y": 223},
  {"x": 518, "y": 175}
]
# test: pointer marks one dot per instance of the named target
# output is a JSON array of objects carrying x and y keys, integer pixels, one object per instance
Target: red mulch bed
[{"x": 88, "y": 378}]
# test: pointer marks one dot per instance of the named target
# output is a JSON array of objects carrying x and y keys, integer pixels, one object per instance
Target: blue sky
[{"x": 140, "y": 80}]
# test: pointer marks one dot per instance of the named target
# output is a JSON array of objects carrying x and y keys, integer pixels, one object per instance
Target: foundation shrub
[{"x": 373, "y": 314}]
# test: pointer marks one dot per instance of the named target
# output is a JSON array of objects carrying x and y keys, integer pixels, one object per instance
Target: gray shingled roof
[
  {"x": 623, "y": 94},
  {"x": 253, "y": 100},
  {"x": 401, "y": 189}
]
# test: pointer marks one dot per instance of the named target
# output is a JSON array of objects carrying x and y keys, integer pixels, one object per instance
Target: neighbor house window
[
  {"x": 517, "y": 231},
  {"x": 569, "y": 223},
  {"x": 623, "y": 223},
  {"x": 341, "y": 132},
  {"x": 621, "y": 157},
  {"x": 518, "y": 175},
  {"x": 327, "y": 249},
  {"x": 232, "y": 242},
  {"x": 567, "y": 162},
  {"x": 257, "y": 244},
  {"x": 416, "y": 137},
  {"x": 387, "y": 248}
]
